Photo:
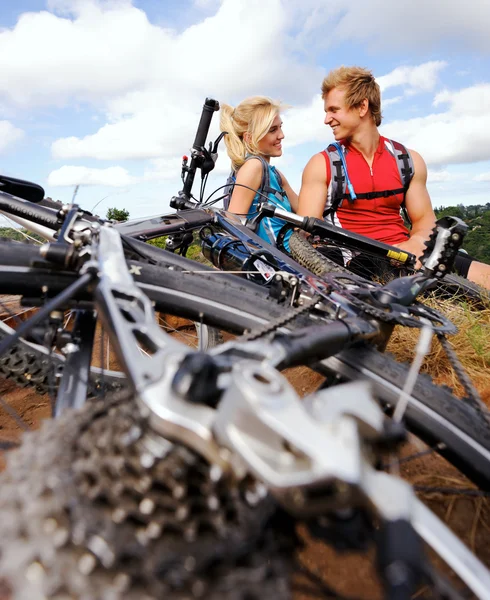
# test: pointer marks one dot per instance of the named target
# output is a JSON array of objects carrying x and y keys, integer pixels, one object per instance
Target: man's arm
[
  {"x": 423, "y": 219},
  {"x": 419, "y": 208},
  {"x": 314, "y": 188}
]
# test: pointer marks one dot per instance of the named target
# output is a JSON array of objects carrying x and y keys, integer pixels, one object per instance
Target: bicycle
[
  {"x": 207, "y": 444},
  {"x": 440, "y": 419}
]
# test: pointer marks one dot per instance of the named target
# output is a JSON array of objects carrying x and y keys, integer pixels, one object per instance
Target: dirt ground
[{"x": 352, "y": 574}]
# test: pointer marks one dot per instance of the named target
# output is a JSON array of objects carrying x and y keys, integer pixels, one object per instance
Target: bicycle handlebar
[
  {"x": 336, "y": 234},
  {"x": 32, "y": 212},
  {"x": 22, "y": 188},
  {"x": 209, "y": 107}
]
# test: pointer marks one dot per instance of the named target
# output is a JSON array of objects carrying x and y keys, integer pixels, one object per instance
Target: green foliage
[
  {"x": 117, "y": 214},
  {"x": 193, "y": 252},
  {"x": 12, "y": 233},
  {"x": 477, "y": 217},
  {"x": 159, "y": 242}
]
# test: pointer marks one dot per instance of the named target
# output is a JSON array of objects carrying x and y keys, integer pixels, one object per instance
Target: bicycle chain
[
  {"x": 281, "y": 321},
  {"x": 118, "y": 512}
]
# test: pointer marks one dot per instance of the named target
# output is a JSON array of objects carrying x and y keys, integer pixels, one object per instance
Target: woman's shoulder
[
  {"x": 250, "y": 170},
  {"x": 251, "y": 167}
]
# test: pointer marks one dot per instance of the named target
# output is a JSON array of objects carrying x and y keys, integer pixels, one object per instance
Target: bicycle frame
[
  {"x": 259, "y": 418},
  {"x": 253, "y": 391}
]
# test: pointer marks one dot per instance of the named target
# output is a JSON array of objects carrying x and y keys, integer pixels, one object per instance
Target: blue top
[{"x": 269, "y": 227}]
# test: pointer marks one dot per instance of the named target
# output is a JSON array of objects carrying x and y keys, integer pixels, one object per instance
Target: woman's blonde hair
[
  {"x": 255, "y": 116},
  {"x": 358, "y": 84}
]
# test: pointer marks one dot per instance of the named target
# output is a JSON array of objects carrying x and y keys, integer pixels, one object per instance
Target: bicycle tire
[
  {"x": 455, "y": 286},
  {"x": 114, "y": 512},
  {"x": 234, "y": 304},
  {"x": 304, "y": 253},
  {"x": 380, "y": 269}
]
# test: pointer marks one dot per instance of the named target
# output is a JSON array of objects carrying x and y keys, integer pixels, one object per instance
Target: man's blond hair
[{"x": 358, "y": 84}]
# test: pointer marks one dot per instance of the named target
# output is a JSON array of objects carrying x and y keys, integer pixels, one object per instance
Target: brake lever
[
  {"x": 214, "y": 151},
  {"x": 208, "y": 160}
]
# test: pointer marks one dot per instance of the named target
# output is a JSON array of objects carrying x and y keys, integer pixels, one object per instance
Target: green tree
[
  {"x": 477, "y": 217},
  {"x": 117, "y": 214},
  {"x": 450, "y": 211}
]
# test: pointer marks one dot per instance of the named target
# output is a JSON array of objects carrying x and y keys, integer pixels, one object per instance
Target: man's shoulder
[
  {"x": 317, "y": 161},
  {"x": 316, "y": 169}
]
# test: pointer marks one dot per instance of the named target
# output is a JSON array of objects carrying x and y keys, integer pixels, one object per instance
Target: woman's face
[{"x": 270, "y": 144}]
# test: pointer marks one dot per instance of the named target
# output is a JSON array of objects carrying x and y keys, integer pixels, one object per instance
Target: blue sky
[{"x": 107, "y": 93}]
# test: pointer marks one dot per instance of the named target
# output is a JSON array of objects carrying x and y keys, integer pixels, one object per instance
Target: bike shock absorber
[{"x": 230, "y": 254}]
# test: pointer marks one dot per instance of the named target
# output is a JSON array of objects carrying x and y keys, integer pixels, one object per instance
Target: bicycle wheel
[
  {"x": 236, "y": 305},
  {"x": 325, "y": 258},
  {"x": 94, "y": 520}
]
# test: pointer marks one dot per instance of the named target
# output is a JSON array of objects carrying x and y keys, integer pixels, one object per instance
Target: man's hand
[{"x": 415, "y": 245}]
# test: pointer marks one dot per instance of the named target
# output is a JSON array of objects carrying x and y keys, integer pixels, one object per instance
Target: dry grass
[
  {"x": 469, "y": 517},
  {"x": 471, "y": 344}
]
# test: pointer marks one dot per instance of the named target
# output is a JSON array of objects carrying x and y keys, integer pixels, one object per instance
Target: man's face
[{"x": 343, "y": 121}]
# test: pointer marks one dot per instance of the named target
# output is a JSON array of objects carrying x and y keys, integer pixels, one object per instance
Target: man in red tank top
[
  {"x": 377, "y": 217},
  {"x": 352, "y": 102}
]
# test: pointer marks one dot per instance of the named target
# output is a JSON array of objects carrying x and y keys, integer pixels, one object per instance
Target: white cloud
[
  {"x": 146, "y": 79},
  {"x": 474, "y": 100},
  {"x": 104, "y": 50},
  {"x": 461, "y": 134},
  {"x": 400, "y": 26},
  {"x": 98, "y": 51},
  {"x": 9, "y": 134},
  {"x": 304, "y": 123},
  {"x": 390, "y": 101},
  {"x": 442, "y": 176},
  {"x": 482, "y": 177},
  {"x": 421, "y": 78},
  {"x": 71, "y": 175},
  {"x": 206, "y": 4}
]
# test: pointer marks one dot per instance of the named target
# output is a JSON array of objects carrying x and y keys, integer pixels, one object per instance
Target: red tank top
[{"x": 377, "y": 218}]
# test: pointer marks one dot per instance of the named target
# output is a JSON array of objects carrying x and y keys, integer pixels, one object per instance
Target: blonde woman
[{"x": 254, "y": 131}]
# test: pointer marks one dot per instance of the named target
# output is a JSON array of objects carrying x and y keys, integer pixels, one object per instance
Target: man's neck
[{"x": 366, "y": 141}]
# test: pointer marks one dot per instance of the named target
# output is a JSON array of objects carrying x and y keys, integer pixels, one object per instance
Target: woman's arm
[{"x": 250, "y": 175}]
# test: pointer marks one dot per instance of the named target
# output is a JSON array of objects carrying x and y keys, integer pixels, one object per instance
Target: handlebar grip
[
  {"x": 209, "y": 107},
  {"x": 181, "y": 202},
  {"x": 32, "y": 212}
]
